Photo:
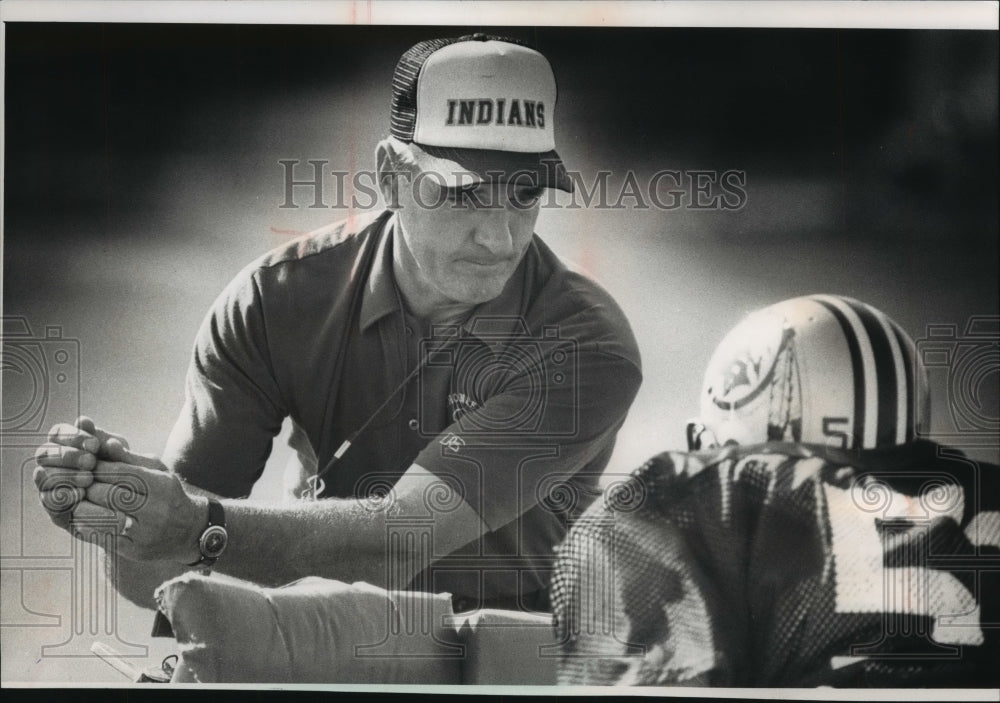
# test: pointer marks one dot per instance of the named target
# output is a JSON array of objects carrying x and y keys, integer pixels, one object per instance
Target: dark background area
[
  {"x": 908, "y": 114},
  {"x": 913, "y": 111},
  {"x": 141, "y": 173}
]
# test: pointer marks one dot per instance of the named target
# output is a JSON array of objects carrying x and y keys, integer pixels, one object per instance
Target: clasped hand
[{"x": 90, "y": 483}]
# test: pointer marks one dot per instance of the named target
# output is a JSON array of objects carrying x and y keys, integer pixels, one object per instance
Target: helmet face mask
[
  {"x": 700, "y": 437},
  {"x": 819, "y": 369}
]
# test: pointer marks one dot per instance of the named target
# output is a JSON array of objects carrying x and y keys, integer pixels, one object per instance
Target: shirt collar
[
  {"x": 380, "y": 289},
  {"x": 494, "y": 318}
]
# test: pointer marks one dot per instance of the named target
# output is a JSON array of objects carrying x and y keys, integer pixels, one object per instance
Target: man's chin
[{"x": 479, "y": 292}]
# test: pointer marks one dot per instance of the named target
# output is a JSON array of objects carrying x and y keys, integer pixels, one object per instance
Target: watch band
[{"x": 214, "y": 538}]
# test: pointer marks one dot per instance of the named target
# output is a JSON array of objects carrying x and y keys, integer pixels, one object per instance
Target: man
[
  {"x": 809, "y": 539},
  {"x": 439, "y": 353}
]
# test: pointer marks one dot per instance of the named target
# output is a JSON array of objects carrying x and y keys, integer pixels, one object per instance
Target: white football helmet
[{"x": 822, "y": 369}]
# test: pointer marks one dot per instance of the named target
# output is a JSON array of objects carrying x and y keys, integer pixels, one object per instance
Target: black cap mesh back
[{"x": 403, "y": 118}]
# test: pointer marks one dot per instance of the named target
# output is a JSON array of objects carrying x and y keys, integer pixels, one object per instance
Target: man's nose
[{"x": 493, "y": 231}]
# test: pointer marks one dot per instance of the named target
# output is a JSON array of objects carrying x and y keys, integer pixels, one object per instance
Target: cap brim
[{"x": 542, "y": 169}]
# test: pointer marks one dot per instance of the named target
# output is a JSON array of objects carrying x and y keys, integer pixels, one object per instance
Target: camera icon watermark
[
  {"x": 963, "y": 367},
  {"x": 499, "y": 379},
  {"x": 41, "y": 379}
]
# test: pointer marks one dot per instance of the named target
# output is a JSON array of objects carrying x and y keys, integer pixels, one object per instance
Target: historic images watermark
[
  {"x": 41, "y": 381},
  {"x": 963, "y": 365},
  {"x": 308, "y": 183}
]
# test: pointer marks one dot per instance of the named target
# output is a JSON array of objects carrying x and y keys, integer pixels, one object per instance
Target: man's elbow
[{"x": 137, "y": 581}]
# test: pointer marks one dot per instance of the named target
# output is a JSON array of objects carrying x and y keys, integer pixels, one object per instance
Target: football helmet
[{"x": 823, "y": 369}]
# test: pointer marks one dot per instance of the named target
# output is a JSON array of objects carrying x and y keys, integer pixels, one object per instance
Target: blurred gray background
[{"x": 142, "y": 173}]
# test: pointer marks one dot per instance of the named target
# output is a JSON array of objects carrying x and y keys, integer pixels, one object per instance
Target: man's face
[{"x": 460, "y": 245}]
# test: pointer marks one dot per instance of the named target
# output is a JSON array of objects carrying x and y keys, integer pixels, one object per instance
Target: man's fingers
[
  {"x": 87, "y": 425},
  {"x": 61, "y": 501},
  {"x": 51, "y": 478},
  {"x": 120, "y": 502},
  {"x": 86, "y": 436},
  {"x": 52, "y": 454},
  {"x": 71, "y": 436},
  {"x": 120, "y": 487},
  {"x": 117, "y": 471},
  {"x": 116, "y": 451},
  {"x": 126, "y": 496},
  {"x": 89, "y": 518}
]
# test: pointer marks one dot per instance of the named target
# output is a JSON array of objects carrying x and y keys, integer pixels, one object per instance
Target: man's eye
[
  {"x": 460, "y": 196},
  {"x": 528, "y": 196}
]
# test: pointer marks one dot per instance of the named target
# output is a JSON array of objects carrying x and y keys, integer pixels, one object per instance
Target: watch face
[{"x": 213, "y": 541}]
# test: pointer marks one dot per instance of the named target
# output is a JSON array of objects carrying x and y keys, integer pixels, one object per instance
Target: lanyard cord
[
  {"x": 362, "y": 269},
  {"x": 342, "y": 449},
  {"x": 315, "y": 483}
]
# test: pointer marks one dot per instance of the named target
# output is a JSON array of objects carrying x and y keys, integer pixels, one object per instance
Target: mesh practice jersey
[{"x": 786, "y": 565}]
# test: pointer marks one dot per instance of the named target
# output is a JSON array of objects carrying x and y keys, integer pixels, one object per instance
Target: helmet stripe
[
  {"x": 885, "y": 373},
  {"x": 857, "y": 367},
  {"x": 910, "y": 396},
  {"x": 899, "y": 367}
]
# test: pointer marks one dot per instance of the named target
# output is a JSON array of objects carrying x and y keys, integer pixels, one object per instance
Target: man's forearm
[
  {"x": 138, "y": 580},
  {"x": 344, "y": 539},
  {"x": 276, "y": 544}
]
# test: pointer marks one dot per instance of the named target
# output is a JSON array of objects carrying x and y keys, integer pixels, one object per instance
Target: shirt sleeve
[
  {"x": 232, "y": 408},
  {"x": 504, "y": 460}
]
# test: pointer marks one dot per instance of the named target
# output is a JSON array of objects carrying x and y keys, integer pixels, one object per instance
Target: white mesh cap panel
[{"x": 486, "y": 95}]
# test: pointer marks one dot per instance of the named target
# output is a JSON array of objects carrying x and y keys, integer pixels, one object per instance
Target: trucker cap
[{"x": 480, "y": 104}]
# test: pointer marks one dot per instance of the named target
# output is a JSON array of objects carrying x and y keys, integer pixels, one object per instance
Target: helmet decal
[
  {"x": 749, "y": 370},
  {"x": 784, "y": 419},
  {"x": 823, "y": 369}
]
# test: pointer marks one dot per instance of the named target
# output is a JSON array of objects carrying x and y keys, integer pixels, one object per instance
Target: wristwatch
[{"x": 214, "y": 538}]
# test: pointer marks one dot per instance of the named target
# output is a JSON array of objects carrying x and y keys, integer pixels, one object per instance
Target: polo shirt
[{"x": 516, "y": 406}]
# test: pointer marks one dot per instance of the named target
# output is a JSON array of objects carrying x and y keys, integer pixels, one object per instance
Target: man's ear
[{"x": 388, "y": 174}]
